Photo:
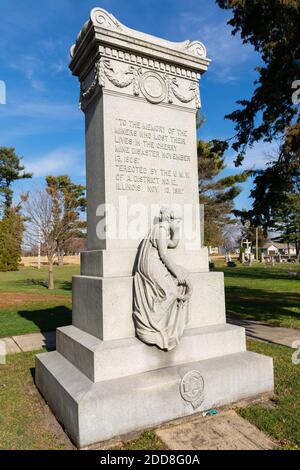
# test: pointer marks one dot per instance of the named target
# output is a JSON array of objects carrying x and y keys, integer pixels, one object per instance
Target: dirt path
[{"x": 11, "y": 299}]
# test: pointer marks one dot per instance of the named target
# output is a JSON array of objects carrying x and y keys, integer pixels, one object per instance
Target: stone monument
[
  {"x": 247, "y": 256},
  {"x": 149, "y": 340}
]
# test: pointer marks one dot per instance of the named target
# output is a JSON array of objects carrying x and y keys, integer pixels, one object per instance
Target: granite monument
[{"x": 149, "y": 340}]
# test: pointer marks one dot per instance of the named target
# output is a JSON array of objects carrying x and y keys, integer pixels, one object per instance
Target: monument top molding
[{"x": 103, "y": 28}]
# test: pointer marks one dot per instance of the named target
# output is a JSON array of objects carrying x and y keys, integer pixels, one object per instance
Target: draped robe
[{"x": 160, "y": 316}]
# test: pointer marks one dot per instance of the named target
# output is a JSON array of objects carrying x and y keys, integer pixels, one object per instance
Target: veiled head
[{"x": 166, "y": 214}]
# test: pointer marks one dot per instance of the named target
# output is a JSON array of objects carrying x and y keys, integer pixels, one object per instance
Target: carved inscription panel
[
  {"x": 150, "y": 153},
  {"x": 150, "y": 158}
]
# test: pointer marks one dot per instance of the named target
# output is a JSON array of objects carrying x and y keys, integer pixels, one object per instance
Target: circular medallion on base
[
  {"x": 192, "y": 388},
  {"x": 153, "y": 87}
]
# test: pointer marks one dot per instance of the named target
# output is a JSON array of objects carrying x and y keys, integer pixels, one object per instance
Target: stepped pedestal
[{"x": 102, "y": 381}]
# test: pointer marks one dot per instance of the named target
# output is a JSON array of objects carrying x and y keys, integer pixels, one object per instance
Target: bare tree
[
  {"x": 231, "y": 236},
  {"x": 44, "y": 219}
]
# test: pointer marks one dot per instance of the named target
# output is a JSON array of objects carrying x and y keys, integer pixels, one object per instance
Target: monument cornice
[{"x": 104, "y": 30}]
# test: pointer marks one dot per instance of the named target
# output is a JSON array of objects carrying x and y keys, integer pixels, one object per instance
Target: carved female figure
[{"x": 162, "y": 289}]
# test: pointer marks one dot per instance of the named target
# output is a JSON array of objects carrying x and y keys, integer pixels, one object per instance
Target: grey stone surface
[
  {"x": 118, "y": 263},
  {"x": 35, "y": 341},
  {"x": 11, "y": 347},
  {"x": 103, "y": 306},
  {"x": 226, "y": 431},
  {"x": 191, "y": 54},
  {"x": 267, "y": 332},
  {"x": 106, "y": 360},
  {"x": 94, "y": 412}
]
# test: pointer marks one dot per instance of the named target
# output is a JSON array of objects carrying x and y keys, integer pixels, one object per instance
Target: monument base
[{"x": 93, "y": 412}]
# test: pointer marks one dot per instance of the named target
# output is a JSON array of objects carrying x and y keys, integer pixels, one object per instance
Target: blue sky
[{"x": 41, "y": 118}]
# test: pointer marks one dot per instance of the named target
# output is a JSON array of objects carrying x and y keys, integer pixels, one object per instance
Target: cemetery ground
[
  {"x": 263, "y": 293},
  {"x": 27, "y": 306},
  {"x": 27, "y": 423}
]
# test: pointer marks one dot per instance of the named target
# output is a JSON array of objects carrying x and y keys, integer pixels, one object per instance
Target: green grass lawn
[
  {"x": 264, "y": 293},
  {"x": 27, "y": 423},
  {"x": 27, "y": 306},
  {"x": 283, "y": 421},
  {"x": 259, "y": 292},
  {"x": 38, "y": 316},
  {"x": 34, "y": 280}
]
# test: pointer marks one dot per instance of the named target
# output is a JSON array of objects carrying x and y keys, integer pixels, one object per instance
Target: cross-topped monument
[{"x": 149, "y": 340}]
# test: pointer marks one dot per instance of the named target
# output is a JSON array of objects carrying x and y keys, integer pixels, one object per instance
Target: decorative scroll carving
[
  {"x": 162, "y": 289},
  {"x": 192, "y": 388},
  {"x": 196, "y": 48},
  {"x": 104, "y": 19},
  {"x": 101, "y": 18}
]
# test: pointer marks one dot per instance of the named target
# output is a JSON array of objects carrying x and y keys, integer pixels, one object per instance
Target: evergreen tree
[
  {"x": 216, "y": 194},
  {"x": 286, "y": 221},
  {"x": 11, "y": 170},
  {"x": 11, "y": 233},
  {"x": 272, "y": 27}
]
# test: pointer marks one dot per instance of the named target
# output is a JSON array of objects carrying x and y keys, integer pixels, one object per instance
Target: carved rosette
[{"x": 152, "y": 85}]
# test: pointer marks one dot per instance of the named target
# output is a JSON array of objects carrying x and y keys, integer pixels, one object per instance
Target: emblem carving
[
  {"x": 192, "y": 388},
  {"x": 153, "y": 87},
  {"x": 162, "y": 289}
]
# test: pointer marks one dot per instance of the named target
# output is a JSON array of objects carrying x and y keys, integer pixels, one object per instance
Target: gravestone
[{"x": 149, "y": 340}]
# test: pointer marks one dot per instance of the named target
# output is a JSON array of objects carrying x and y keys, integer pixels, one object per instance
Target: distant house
[
  {"x": 222, "y": 250},
  {"x": 213, "y": 250},
  {"x": 275, "y": 249}
]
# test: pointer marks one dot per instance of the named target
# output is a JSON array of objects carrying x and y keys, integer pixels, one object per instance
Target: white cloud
[
  {"x": 226, "y": 51},
  {"x": 256, "y": 157},
  {"x": 42, "y": 109},
  {"x": 30, "y": 66},
  {"x": 59, "y": 67},
  {"x": 63, "y": 160}
]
